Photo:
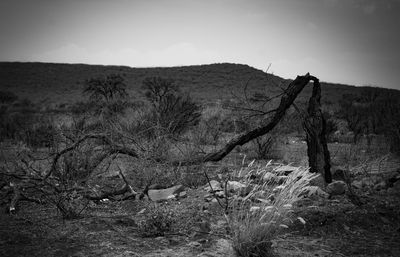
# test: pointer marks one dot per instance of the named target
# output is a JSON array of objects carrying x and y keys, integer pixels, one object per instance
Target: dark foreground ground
[{"x": 334, "y": 227}]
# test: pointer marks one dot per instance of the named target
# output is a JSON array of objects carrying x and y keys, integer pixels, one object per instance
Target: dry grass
[{"x": 253, "y": 226}]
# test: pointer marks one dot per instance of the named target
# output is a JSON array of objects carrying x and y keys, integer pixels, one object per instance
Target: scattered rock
[
  {"x": 368, "y": 182},
  {"x": 235, "y": 186},
  {"x": 314, "y": 192},
  {"x": 215, "y": 185},
  {"x": 254, "y": 209},
  {"x": 166, "y": 194},
  {"x": 270, "y": 177},
  {"x": 357, "y": 184},
  {"x": 245, "y": 190},
  {"x": 336, "y": 188},
  {"x": 182, "y": 195},
  {"x": 381, "y": 186},
  {"x": 285, "y": 170},
  {"x": 277, "y": 189},
  {"x": 156, "y": 187},
  {"x": 220, "y": 194}
]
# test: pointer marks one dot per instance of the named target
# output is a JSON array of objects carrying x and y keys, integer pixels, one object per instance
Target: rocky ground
[{"x": 334, "y": 222}]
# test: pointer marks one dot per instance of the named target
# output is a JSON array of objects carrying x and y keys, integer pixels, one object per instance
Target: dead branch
[{"x": 294, "y": 88}]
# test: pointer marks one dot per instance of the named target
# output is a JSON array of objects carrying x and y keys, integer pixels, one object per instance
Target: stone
[
  {"x": 357, "y": 184},
  {"x": 235, "y": 186},
  {"x": 380, "y": 186},
  {"x": 182, "y": 194},
  {"x": 254, "y": 209},
  {"x": 220, "y": 194},
  {"x": 165, "y": 194},
  {"x": 270, "y": 177},
  {"x": 285, "y": 170},
  {"x": 314, "y": 192},
  {"x": 368, "y": 182},
  {"x": 336, "y": 188},
  {"x": 215, "y": 186},
  {"x": 277, "y": 189},
  {"x": 245, "y": 190}
]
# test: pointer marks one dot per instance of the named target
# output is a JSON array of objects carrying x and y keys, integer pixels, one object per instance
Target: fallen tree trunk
[{"x": 293, "y": 90}]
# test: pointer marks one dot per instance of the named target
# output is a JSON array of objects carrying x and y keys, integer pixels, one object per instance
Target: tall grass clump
[{"x": 267, "y": 210}]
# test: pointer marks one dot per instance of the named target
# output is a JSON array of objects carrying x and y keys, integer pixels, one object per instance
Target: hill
[{"x": 60, "y": 83}]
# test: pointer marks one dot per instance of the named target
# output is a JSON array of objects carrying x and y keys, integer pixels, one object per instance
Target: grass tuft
[{"x": 260, "y": 216}]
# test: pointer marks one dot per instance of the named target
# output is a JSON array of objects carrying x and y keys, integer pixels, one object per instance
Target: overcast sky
[{"x": 345, "y": 41}]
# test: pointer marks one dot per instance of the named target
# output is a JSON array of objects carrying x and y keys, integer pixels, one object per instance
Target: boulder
[
  {"x": 270, "y": 177},
  {"x": 166, "y": 194},
  {"x": 336, "y": 188},
  {"x": 285, "y": 170},
  {"x": 215, "y": 185},
  {"x": 314, "y": 192},
  {"x": 235, "y": 186},
  {"x": 357, "y": 184},
  {"x": 381, "y": 186}
]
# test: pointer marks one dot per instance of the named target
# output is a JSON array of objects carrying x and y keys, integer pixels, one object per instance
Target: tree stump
[{"x": 315, "y": 128}]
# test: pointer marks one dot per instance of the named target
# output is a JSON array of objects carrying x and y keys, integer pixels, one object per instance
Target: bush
[
  {"x": 160, "y": 219},
  {"x": 171, "y": 112}
]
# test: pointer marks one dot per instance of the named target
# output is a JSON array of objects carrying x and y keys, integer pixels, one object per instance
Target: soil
[{"x": 334, "y": 227}]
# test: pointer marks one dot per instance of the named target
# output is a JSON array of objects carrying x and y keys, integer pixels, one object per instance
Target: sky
[{"x": 343, "y": 41}]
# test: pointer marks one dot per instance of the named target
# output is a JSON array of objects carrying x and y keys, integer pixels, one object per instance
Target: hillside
[{"x": 55, "y": 83}]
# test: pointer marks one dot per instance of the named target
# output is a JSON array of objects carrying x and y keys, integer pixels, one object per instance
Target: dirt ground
[{"x": 334, "y": 227}]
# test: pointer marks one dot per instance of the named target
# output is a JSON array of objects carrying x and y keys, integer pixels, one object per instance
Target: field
[{"x": 85, "y": 172}]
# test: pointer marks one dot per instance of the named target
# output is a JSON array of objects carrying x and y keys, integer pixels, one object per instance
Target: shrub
[
  {"x": 172, "y": 112},
  {"x": 106, "y": 88},
  {"x": 159, "y": 220}
]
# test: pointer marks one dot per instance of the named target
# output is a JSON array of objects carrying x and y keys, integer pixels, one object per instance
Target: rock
[
  {"x": 336, "y": 188},
  {"x": 221, "y": 248},
  {"x": 182, "y": 194},
  {"x": 220, "y": 194},
  {"x": 277, "y": 189},
  {"x": 314, "y": 192},
  {"x": 357, "y": 184},
  {"x": 380, "y": 186},
  {"x": 285, "y": 170},
  {"x": 260, "y": 194},
  {"x": 165, "y": 194},
  {"x": 368, "y": 182},
  {"x": 235, "y": 186},
  {"x": 245, "y": 190},
  {"x": 156, "y": 187},
  {"x": 270, "y": 177},
  {"x": 215, "y": 185},
  {"x": 254, "y": 209}
]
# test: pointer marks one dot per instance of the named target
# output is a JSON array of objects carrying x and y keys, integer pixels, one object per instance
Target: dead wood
[
  {"x": 293, "y": 90},
  {"x": 315, "y": 128}
]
